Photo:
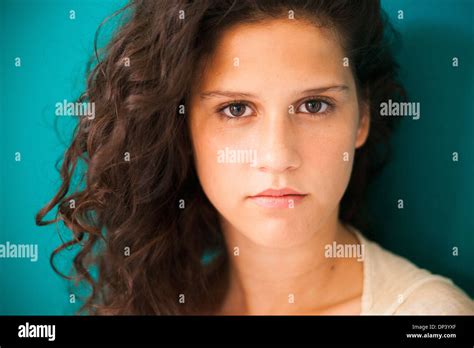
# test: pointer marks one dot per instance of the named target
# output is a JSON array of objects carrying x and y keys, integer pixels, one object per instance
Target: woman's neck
[{"x": 293, "y": 280}]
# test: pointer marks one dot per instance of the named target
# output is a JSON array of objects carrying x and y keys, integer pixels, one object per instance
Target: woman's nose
[{"x": 277, "y": 144}]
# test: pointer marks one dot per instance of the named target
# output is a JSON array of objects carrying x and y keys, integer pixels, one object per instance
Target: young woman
[{"x": 227, "y": 162}]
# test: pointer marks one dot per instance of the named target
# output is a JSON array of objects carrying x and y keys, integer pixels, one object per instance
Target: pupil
[
  {"x": 314, "y": 106},
  {"x": 236, "y": 109}
]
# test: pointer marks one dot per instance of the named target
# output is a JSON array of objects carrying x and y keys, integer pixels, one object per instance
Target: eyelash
[{"x": 330, "y": 106}]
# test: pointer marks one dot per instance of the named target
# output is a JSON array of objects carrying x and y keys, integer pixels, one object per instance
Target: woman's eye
[
  {"x": 314, "y": 106},
  {"x": 236, "y": 110}
]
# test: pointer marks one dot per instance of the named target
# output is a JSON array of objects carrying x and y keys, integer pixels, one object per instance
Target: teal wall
[
  {"x": 54, "y": 51},
  {"x": 437, "y": 192}
]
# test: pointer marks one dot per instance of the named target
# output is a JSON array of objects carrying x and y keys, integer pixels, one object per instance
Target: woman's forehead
[{"x": 272, "y": 53}]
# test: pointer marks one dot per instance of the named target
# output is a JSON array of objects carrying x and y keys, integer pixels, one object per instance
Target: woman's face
[{"x": 293, "y": 123}]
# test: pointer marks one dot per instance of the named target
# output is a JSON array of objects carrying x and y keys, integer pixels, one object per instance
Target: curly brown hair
[{"x": 138, "y": 164}]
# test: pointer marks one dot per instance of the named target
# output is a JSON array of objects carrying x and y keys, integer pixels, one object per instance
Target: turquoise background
[{"x": 438, "y": 193}]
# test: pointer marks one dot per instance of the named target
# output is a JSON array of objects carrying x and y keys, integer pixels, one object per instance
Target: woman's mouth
[{"x": 279, "y": 198}]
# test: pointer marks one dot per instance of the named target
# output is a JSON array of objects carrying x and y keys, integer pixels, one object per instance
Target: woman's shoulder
[{"x": 394, "y": 285}]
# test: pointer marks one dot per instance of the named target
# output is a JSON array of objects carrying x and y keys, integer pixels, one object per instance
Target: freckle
[{"x": 332, "y": 267}]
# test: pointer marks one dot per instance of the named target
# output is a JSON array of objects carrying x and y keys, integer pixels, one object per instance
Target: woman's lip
[
  {"x": 278, "y": 192},
  {"x": 285, "y": 201}
]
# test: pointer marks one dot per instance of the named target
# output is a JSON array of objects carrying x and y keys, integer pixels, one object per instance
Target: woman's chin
[{"x": 281, "y": 233}]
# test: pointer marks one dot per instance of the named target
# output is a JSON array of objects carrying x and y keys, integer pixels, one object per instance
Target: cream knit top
[{"x": 394, "y": 285}]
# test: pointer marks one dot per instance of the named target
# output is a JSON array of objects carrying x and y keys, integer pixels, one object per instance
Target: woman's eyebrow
[
  {"x": 229, "y": 94},
  {"x": 338, "y": 88},
  {"x": 235, "y": 94}
]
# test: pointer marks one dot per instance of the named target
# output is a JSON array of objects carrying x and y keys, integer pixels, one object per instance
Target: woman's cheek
[
  {"x": 219, "y": 177},
  {"x": 328, "y": 162}
]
